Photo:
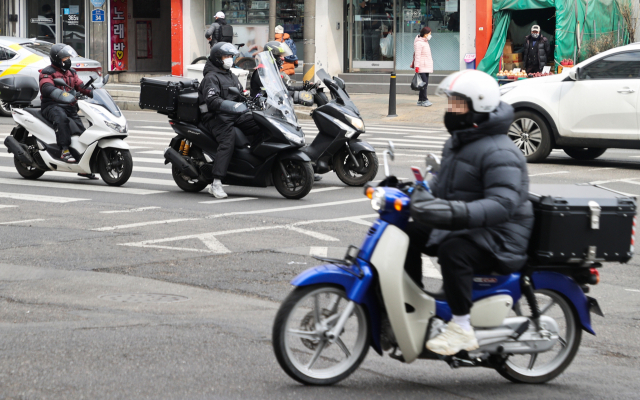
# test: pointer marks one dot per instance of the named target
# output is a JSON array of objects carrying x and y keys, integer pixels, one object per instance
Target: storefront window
[{"x": 41, "y": 23}]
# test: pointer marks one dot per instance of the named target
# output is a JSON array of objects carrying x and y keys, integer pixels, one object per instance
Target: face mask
[
  {"x": 429, "y": 37},
  {"x": 66, "y": 65},
  {"x": 535, "y": 35},
  {"x": 455, "y": 122},
  {"x": 228, "y": 63}
]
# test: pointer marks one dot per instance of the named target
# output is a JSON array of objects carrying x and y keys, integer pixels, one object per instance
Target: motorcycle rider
[
  {"x": 59, "y": 102},
  {"x": 222, "y": 110},
  {"x": 480, "y": 219}
]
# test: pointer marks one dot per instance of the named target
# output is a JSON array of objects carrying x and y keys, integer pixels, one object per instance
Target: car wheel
[
  {"x": 586, "y": 153},
  {"x": 5, "y": 109},
  {"x": 530, "y": 133}
]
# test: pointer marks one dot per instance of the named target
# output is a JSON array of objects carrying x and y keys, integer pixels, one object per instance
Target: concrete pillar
[
  {"x": 309, "y": 36},
  {"x": 272, "y": 20},
  {"x": 467, "y": 30}
]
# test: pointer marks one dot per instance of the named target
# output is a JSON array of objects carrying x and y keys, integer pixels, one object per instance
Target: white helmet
[{"x": 479, "y": 88}]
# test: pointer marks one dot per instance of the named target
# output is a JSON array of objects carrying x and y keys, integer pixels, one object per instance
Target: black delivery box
[
  {"x": 18, "y": 90},
  {"x": 161, "y": 93},
  {"x": 576, "y": 223}
]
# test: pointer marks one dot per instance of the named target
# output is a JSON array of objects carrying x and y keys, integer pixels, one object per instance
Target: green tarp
[{"x": 595, "y": 17}]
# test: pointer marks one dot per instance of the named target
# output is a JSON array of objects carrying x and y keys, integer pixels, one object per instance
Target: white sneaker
[
  {"x": 453, "y": 340},
  {"x": 217, "y": 192}
]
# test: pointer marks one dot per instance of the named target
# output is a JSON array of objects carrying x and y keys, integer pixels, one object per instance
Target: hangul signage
[{"x": 118, "y": 35}]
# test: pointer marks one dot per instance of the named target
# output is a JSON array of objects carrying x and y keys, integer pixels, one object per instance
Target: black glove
[
  {"x": 62, "y": 97},
  {"x": 438, "y": 213},
  {"x": 232, "y": 107}
]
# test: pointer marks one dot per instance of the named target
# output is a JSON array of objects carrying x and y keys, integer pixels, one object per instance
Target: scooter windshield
[
  {"x": 340, "y": 94},
  {"x": 279, "y": 104},
  {"x": 102, "y": 98}
]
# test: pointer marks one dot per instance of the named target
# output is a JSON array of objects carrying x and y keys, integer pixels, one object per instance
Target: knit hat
[
  {"x": 219, "y": 14},
  {"x": 279, "y": 29}
]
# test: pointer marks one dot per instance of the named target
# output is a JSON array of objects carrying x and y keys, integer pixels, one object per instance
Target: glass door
[
  {"x": 73, "y": 24},
  {"x": 370, "y": 35},
  {"x": 41, "y": 20}
]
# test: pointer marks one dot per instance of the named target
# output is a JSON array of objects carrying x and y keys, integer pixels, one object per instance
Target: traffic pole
[{"x": 392, "y": 96}]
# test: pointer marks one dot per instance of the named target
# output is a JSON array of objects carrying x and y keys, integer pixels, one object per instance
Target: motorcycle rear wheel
[
  {"x": 186, "y": 183},
  {"x": 300, "y": 179},
  {"x": 26, "y": 171},
  {"x": 349, "y": 174},
  {"x": 556, "y": 306},
  {"x": 300, "y": 346}
]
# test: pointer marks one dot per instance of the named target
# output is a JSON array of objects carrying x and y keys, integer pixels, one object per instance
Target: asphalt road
[{"x": 71, "y": 249}]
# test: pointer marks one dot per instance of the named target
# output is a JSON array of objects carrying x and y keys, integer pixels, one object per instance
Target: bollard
[{"x": 392, "y": 96}]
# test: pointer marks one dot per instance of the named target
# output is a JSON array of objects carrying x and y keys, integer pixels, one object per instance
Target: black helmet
[
  {"x": 60, "y": 51},
  {"x": 278, "y": 49},
  {"x": 219, "y": 50}
]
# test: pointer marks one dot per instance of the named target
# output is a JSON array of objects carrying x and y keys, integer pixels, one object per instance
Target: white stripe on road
[
  {"x": 550, "y": 173},
  {"x": 148, "y": 160},
  {"x": 140, "y": 224},
  {"x": 600, "y": 169},
  {"x": 228, "y": 200},
  {"x": 361, "y": 222},
  {"x": 166, "y": 170},
  {"x": 316, "y": 235},
  {"x": 166, "y": 134},
  {"x": 168, "y": 128},
  {"x": 79, "y": 186},
  {"x": 22, "y": 222},
  {"x": 129, "y": 211},
  {"x": 272, "y": 210},
  {"x": 403, "y": 141},
  {"x": 632, "y": 290},
  {"x": 6, "y": 206},
  {"x": 318, "y": 251},
  {"x": 326, "y": 189},
  {"x": 35, "y": 197},
  {"x": 147, "y": 139},
  {"x": 385, "y": 144},
  {"x": 155, "y": 152}
]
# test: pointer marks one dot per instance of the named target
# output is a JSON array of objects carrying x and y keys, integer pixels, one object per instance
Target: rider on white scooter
[{"x": 481, "y": 220}]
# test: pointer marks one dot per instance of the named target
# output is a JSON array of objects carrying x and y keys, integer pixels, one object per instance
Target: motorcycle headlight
[
  {"x": 379, "y": 199},
  {"x": 349, "y": 130},
  {"x": 290, "y": 136},
  {"x": 355, "y": 122},
  {"x": 116, "y": 127}
]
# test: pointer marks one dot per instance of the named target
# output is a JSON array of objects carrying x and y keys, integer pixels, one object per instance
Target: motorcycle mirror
[
  {"x": 389, "y": 151},
  {"x": 339, "y": 82},
  {"x": 60, "y": 82},
  {"x": 105, "y": 79},
  {"x": 433, "y": 163},
  {"x": 235, "y": 90}
]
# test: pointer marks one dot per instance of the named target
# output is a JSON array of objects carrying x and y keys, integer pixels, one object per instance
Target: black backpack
[{"x": 226, "y": 33}]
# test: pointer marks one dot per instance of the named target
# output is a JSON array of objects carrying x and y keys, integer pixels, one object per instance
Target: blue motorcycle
[{"x": 528, "y": 324}]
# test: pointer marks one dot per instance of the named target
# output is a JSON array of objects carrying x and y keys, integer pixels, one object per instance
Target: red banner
[{"x": 118, "y": 34}]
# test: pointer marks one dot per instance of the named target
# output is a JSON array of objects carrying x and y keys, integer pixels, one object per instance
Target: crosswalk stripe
[
  {"x": 156, "y": 127},
  {"x": 160, "y": 152},
  {"x": 22, "y": 222},
  {"x": 153, "y": 139},
  {"x": 6, "y": 206},
  {"x": 218, "y": 201},
  {"x": 166, "y": 170},
  {"x": 148, "y": 160},
  {"x": 80, "y": 186},
  {"x": 133, "y": 179},
  {"x": 166, "y": 134},
  {"x": 36, "y": 197},
  {"x": 410, "y": 140},
  {"x": 141, "y": 224},
  {"x": 131, "y": 210},
  {"x": 384, "y": 144}
]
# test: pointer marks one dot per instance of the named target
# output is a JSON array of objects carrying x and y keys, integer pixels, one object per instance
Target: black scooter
[{"x": 337, "y": 147}]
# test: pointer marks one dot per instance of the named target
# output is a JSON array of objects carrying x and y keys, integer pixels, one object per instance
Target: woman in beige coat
[{"x": 423, "y": 62}]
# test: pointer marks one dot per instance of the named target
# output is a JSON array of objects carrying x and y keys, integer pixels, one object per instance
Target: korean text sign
[{"x": 118, "y": 34}]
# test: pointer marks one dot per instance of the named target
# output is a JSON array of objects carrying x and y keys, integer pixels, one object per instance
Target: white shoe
[
  {"x": 453, "y": 340},
  {"x": 217, "y": 192}
]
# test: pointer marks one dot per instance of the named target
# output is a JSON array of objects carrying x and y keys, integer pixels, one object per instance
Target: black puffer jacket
[
  {"x": 536, "y": 58},
  {"x": 214, "y": 31},
  {"x": 214, "y": 89},
  {"x": 482, "y": 167}
]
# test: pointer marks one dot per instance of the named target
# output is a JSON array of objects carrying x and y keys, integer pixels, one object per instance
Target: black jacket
[
  {"x": 214, "y": 89},
  {"x": 536, "y": 58},
  {"x": 482, "y": 167},
  {"x": 214, "y": 31}
]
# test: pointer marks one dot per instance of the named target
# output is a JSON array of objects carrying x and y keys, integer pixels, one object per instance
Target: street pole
[
  {"x": 272, "y": 20},
  {"x": 309, "y": 70}
]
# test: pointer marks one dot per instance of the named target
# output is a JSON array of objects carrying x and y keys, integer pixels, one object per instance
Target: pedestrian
[
  {"x": 219, "y": 31},
  {"x": 290, "y": 62},
  {"x": 423, "y": 63},
  {"x": 536, "y": 51}
]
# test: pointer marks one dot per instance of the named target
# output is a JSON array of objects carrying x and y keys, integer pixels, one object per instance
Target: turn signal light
[
  {"x": 397, "y": 205},
  {"x": 595, "y": 274},
  {"x": 369, "y": 192}
]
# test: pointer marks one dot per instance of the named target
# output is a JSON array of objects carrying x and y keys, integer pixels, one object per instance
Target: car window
[
  {"x": 6, "y": 54},
  {"x": 618, "y": 66},
  {"x": 40, "y": 48}
]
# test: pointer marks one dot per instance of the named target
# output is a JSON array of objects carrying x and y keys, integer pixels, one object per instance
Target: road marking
[
  {"x": 79, "y": 186},
  {"x": 228, "y": 200},
  {"x": 148, "y": 160},
  {"x": 35, "y": 197},
  {"x": 22, "y": 222},
  {"x": 139, "y": 147},
  {"x": 272, "y": 210},
  {"x": 168, "y": 128},
  {"x": 429, "y": 270},
  {"x": 6, "y": 206},
  {"x": 550, "y": 173},
  {"x": 600, "y": 169},
  {"x": 385, "y": 144},
  {"x": 147, "y": 139},
  {"x": 140, "y": 224},
  {"x": 318, "y": 251},
  {"x": 361, "y": 221},
  {"x": 167, "y": 134},
  {"x": 133, "y": 179},
  {"x": 403, "y": 141},
  {"x": 156, "y": 152},
  {"x": 129, "y": 211},
  {"x": 326, "y": 189},
  {"x": 213, "y": 244},
  {"x": 632, "y": 290},
  {"x": 316, "y": 235},
  {"x": 166, "y": 170}
]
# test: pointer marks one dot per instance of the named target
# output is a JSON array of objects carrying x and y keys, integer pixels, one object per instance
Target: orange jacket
[{"x": 288, "y": 67}]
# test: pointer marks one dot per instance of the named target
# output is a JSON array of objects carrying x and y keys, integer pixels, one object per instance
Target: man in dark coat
[
  {"x": 480, "y": 219},
  {"x": 214, "y": 33},
  {"x": 536, "y": 51}
]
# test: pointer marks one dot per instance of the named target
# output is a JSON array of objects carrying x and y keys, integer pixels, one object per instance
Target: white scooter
[{"x": 100, "y": 148}]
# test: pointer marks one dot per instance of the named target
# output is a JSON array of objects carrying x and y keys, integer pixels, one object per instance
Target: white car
[
  {"x": 585, "y": 110},
  {"x": 28, "y": 56}
]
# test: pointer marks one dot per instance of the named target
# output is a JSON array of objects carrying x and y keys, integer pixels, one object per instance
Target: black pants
[
  {"x": 221, "y": 127},
  {"x": 63, "y": 120},
  {"x": 422, "y": 94},
  {"x": 459, "y": 260},
  {"x": 371, "y": 45}
]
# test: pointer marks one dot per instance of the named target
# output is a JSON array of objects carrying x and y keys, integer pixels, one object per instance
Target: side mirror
[
  {"x": 105, "y": 79},
  {"x": 339, "y": 82},
  {"x": 60, "y": 82},
  {"x": 235, "y": 90},
  {"x": 433, "y": 163},
  {"x": 574, "y": 73}
]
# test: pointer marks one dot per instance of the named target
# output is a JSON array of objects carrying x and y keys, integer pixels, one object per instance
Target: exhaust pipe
[
  {"x": 179, "y": 162},
  {"x": 20, "y": 152}
]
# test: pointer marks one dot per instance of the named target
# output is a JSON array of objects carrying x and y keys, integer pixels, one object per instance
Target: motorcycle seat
[{"x": 75, "y": 129}]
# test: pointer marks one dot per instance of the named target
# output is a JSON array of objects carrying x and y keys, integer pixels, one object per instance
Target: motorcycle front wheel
[
  {"x": 115, "y": 166},
  {"x": 299, "y": 181},
  {"x": 543, "y": 367},
  {"x": 299, "y": 341},
  {"x": 351, "y": 175}
]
